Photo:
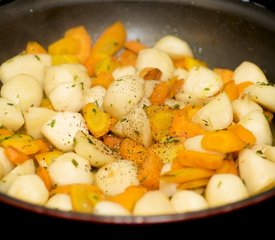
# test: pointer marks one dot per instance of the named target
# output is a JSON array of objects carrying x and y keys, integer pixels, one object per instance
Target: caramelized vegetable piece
[
  {"x": 149, "y": 173},
  {"x": 132, "y": 150},
  {"x": 112, "y": 141},
  {"x": 83, "y": 39},
  {"x": 63, "y": 46},
  {"x": 182, "y": 127},
  {"x": 134, "y": 46},
  {"x": 187, "y": 174},
  {"x": 225, "y": 74},
  {"x": 45, "y": 159},
  {"x": 84, "y": 197},
  {"x": 193, "y": 184},
  {"x": 150, "y": 74},
  {"x": 104, "y": 79},
  {"x": 222, "y": 141},
  {"x": 22, "y": 143},
  {"x": 15, "y": 156},
  {"x": 35, "y": 48},
  {"x": 160, "y": 120},
  {"x": 228, "y": 166},
  {"x": 159, "y": 94},
  {"x": 188, "y": 158},
  {"x": 175, "y": 86},
  {"x": 242, "y": 133},
  {"x": 129, "y": 197},
  {"x": 98, "y": 122},
  {"x": 127, "y": 58},
  {"x": 111, "y": 40},
  {"x": 44, "y": 175}
]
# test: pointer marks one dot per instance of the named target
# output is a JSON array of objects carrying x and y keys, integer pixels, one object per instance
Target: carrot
[
  {"x": 184, "y": 128},
  {"x": 191, "y": 110},
  {"x": 103, "y": 79},
  {"x": 83, "y": 39},
  {"x": 228, "y": 166},
  {"x": 64, "y": 58},
  {"x": 187, "y": 174},
  {"x": 5, "y": 133},
  {"x": 149, "y": 173},
  {"x": 242, "y": 133},
  {"x": 189, "y": 62},
  {"x": 127, "y": 58},
  {"x": 35, "y": 48},
  {"x": 43, "y": 146},
  {"x": 160, "y": 119},
  {"x": 44, "y": 175},
  {"x": 188, "y": 158},
  {"x": 98, "y": 122},
  {"x": 46, "y": 158},
  {"x": 129, "y": 197},
  {"x": 84, "y": 197},
  {"x": 193, "y": 184},
  {"x": 225, "y": 74},
  {"x": 222, "y": 141},
  {"x": 268, "y": 115},
  {"x": 15, "y": 156},
  {"x": 242, "y": 86},
  {"x": 21, "y": 142},
  {"x": 231, "y": 90},
  {"x": 176, "y": 164},
  {"x": 107, "y": 64},
  {"x": 159, "y": 94},
  {"x": 150, "y": 73},
  {"x": 110, "y": 41},
  {"x": 130, "y": 149},
  {"x": 112, "y": 141},
  {"x": 134, "y": 46},
  {"x": 63, "y": 46},
  {"x": 46, "y": 103},
  {"x": 175, "y": 86}
]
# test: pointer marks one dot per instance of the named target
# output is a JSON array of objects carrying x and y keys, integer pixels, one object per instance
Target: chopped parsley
[
  {"x": 75, "y": 163},
  {"x": 52, "y": 123},
  {"x": 171, "y": 140},
  {"x": 38, "y": 58},
  {"x": 176, "y": 106}
]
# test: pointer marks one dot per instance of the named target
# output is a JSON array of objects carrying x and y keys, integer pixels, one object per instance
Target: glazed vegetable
[{"x": 112, "y": 126}]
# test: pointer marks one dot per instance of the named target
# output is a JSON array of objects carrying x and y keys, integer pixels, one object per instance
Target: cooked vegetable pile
[{"x": 114, "y": 127}]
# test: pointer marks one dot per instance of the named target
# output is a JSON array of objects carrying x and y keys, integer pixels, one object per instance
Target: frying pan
[{"x": 222, "y": 33}]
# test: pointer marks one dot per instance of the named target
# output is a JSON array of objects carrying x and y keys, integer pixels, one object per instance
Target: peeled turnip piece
[{"x": 258, "y": 173}]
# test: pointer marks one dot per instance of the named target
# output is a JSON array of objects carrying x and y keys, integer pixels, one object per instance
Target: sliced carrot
[
  {"x": 176, "y": 164},
  {"x": 104, "y": 79},
  {"x": 46, "y": 158},
  {"x": 184, "y": 128},
  {"x": 149, "y": 172},
  {"x": 83, "y": 39},
  {"x": 35, "y": 48},
  {"x": 129, "y": 197},
  {"x": 193, "y": 184},
  {"x": 44, "y": 175},
  {"x": 242, "y": 133},
  {"x": 187, "y": 174},
  {"x": 228, "y": 166},
  {"x": 5, "y": 133},
  {"x": 175, "y": 86},
  {"x": 159, "y": 94},
  {"x": 21, "y": 142},
  {"x": 225, "y": 74},
  {"x": 231, "y": 90},
  {"x": 134, "y": 46},
  {"x": 112, "y": 141},
  {"x": 150, "y": 73},
  {"x": 64, "y": 58},
  {"x": 242, "y": 86},
  {"x": 188, "y": 158},
  {"x": 91, "y": 61},
  {"x": 98, "y": 122},
  {"x": 268, "y": 115},
  {"x": 191, "y": 110},
  {"x": 130, "y": 149},
  {"x": 15, "y": 156},
  {"x": 160, "y": 119},
  {"x": 107, "y": 64},
  {"x": 43, "y": 146},
  {"x": 63, "y": 46},
  {"x": 127, "y": 58},
  {"x": 222, "y": 141}
]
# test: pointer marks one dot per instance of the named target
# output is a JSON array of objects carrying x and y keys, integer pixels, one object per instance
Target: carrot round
[
  {"x": 44, "y": 175},
  {"x": 222, "y": 141},
  {"x": 244, "y": 134},
  {"x": 225, "y": 74},
  {"x": 15, "y": 156},
  {"x": 159, "y": 94},
  {"x": 231, "y": 90}
]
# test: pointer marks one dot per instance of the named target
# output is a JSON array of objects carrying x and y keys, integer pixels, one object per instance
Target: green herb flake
[
  {"x": 94, "y": 110},
  {"x": 52, "y": 123},
  {"x": 90, "y": 141},
  {"x": 38, "y": 58},
  {"x": 219, "y": 184},
  {"x": 10, "y": 104},
  {"x": 137, "y": 132},
  {"x": 206, "y": 89},
  {"x": 75, "y": 163},
  {"x": 176, "y": 106}
]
